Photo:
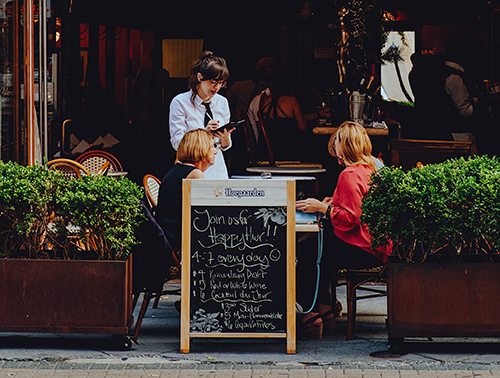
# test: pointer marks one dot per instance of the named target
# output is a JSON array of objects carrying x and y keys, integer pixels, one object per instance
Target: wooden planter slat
[
  {"x": 61, "y": 296},
  {"x": 443, "y": 300}
]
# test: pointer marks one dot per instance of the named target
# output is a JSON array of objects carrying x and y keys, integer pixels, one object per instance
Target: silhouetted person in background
[
  {"x": 448, "y": 105},
  {"x": 151, "y": 95},
  {"x": 239, "y": 95},
  {"x": 443, "y": 98}
]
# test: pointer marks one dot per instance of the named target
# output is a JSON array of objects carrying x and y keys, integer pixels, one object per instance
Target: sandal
[
  {"x": 338, "y": 309},
  {"x": 311, "y": 329}
]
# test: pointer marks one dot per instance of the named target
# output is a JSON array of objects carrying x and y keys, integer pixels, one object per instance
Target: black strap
[{"x": 208, "y": 113}]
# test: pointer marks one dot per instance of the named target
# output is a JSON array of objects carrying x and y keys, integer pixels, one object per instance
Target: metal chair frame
[
  {"x": 151, "y": 188},
  {"x": 357, "y": 279}
]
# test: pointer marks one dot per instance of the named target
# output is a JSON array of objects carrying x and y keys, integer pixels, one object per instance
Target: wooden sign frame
[{"x": 215, "y": 193}]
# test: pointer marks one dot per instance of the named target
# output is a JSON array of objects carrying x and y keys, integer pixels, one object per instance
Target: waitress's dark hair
[{"x": 210, "y": 67}]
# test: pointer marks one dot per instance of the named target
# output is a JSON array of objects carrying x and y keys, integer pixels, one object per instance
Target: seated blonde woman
[
  {"x": 196, "y": 152},
  {"x": 348, "y": 244}
]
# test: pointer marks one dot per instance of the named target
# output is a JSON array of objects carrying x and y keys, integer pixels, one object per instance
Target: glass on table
[{"x": 266, "y": 175}]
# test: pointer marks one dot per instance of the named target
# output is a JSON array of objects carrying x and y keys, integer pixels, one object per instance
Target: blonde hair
[
  {"x": 196, "y": 145},
  {"x": 355, "y": 145}
]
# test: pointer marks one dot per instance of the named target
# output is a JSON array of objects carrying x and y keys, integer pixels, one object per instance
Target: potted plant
[
  {"x": 64, "y": 248},
  {"x": 444, "y": 221}
]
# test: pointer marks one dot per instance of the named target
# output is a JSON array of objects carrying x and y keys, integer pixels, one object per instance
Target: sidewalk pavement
[
  {"x": 259, "y": 372},
  {"x": 157, "y": 353}
]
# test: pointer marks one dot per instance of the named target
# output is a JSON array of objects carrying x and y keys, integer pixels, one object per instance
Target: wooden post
[
  {"x": 185, "y": 265},
  {"x": 290, "y": 269}
]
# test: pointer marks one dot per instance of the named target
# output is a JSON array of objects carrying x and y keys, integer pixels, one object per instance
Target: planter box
[
  {"x": 443, "y": 300},
  {"x": 67, "y": 296}
]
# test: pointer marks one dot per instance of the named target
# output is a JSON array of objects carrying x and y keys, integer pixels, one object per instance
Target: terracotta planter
[
  {"x": 67, "y": 296},
  {"x": 443, "y": 300}
]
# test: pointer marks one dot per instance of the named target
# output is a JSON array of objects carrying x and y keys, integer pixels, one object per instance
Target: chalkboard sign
[{"x": 238, "y": 260}]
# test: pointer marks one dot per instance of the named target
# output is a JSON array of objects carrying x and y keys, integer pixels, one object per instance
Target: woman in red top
[{"x": 349, "y": 245}]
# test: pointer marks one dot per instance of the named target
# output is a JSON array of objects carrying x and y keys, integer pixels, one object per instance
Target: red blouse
[{"x": 352, "y": 187}]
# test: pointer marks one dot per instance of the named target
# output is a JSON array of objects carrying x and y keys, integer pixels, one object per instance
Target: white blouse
[{"x": 185, "y": 116}]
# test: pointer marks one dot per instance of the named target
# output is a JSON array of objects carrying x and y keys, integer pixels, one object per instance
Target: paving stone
[
  {"x": 171, "y": 373},
  {"x": 316, "y": 373},
  {"x": 463, "y": 374},
  {"x": 29, "y": 365},
  {"x": 410, "y": 373},
  {"x": 98, "y": 367},
  {"x": 11, "y": 365}
]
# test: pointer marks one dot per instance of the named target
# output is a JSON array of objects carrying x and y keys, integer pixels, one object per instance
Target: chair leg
[
  {"x": 351, "y": 306},
  {"x": 142, "y": 313},
  {"x": 157, "y": 300},
  {"x": 134, "y": 301},
  {"x": 354, "y": 302}
]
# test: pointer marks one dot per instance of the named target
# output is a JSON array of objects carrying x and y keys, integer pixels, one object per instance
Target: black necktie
[{"x": 208, "y": 112}]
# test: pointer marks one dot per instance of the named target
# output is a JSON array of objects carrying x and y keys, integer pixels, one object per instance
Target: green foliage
[
  {"x": 26, "y": 196},
  {"x": 44, "y": 215},
  {"x": 447, "y": 208},
  {"x": 103, "y": 211}
]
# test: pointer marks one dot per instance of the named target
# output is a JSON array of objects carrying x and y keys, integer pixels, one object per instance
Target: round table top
[
  {"x": 287, "y": 170},
  {"x": 252, "y": 177},
  {"x": 117, "y": 173}
]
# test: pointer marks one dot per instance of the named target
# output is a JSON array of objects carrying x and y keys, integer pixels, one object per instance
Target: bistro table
[
  {"x": 300, "y": 174},
  {"x": 299, "y": 227},
  {"x": 117, "y": 173},
  {"x": 255, "y": 177},
  {"x": 301, "y": 171},
  {"x": 329, "y": 130},
  {"x": 306, "y": 227}
]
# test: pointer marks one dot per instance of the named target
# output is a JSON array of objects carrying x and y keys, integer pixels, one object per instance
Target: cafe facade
[{"x": 61, "y": 57}]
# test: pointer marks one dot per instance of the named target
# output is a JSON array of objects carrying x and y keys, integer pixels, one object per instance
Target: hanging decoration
[{"x": 362, "y": 34}]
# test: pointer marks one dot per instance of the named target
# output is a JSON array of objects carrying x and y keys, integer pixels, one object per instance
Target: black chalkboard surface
[
  {"x": 238, "y": 265},
  {"x": 238, "y": 260}
]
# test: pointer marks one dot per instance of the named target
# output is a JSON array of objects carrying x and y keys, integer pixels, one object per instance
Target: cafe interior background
[{"x": 67, "y": 73}]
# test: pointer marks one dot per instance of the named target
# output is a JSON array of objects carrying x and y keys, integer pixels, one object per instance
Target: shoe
[
  {"x": 311, "y": 328},
  {"x": 338, "y": 309}
]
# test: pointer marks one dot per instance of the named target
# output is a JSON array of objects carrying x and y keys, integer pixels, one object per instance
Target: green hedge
[
  {"x": 45, "y": 215},
  {"x": 449, "y": 208}
]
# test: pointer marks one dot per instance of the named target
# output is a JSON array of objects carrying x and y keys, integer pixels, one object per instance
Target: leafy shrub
[
  {"x": 26, "y": 196},
  {"x": 103, "y": 212},
  {"x": 44, "y": 215},
  {"x": 447, "y": 208}
]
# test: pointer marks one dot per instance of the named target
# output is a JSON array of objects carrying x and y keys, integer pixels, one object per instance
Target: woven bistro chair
[
  {"x": 69, "y": 168},
  {"x": 94, "y": 161},
  {"x": 152, "y": 189}
]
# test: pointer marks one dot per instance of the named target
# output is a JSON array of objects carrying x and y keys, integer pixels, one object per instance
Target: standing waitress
[{"x": 202, "y": 107}]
